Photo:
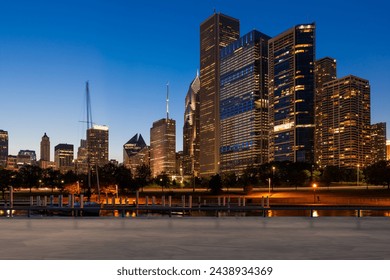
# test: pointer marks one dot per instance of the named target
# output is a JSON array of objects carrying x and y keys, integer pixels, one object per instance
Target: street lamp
[
  {"x": 273, "y": 177},
  {"x": 269, "y": 186},
  {"x": 357, "y": 175},
  {"x": 314, "y": 192}
]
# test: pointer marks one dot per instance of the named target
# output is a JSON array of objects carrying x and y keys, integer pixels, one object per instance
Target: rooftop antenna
[{"x": 167, "y": 101}]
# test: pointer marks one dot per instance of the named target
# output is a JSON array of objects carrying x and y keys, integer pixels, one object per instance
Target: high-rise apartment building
[
  {"x": 344, "y": 134},
  {"x": 45, "y": 152},
  {"x": 291, "y": 94},
  {"x": 135, "y": 153},
  {"x": 63, "y": 157},
  {"x": 3, "y": 148},
  {"x": 191, "y": 130},
  {"x": 216, "y": 32},
  {"x": 97, "y": 145},
  {"x": 163, "y": 147},
  {"x": 378, "y": 142},
  {"x": 325, "y": 71},
  {"x": 244, "y": 129},
  {"x": 387, "y": 149}
]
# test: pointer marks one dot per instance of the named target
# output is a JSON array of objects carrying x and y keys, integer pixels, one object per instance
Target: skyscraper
[
  {"x": 163, "y": 147},
  {"x": 216, "y": 32},
  {"x": 63, "y": 157},
  {"x": 344, "y": 135},
  {"x": 378, "y": 142},
  {"x": 325, "y": 71},
  {"x": 135, "y": 153},
  {"x": 387, "y": 149},
  {"x": 45, "y": 151},
  {"x": 291, "y": 94},
  {"x": 97, "y": 145},
  {"x": 81, "y": 165},
  {"x": 191, "y": 130},
  {"x": 244, "y": 103},
  {"x": 3, "y": 148}
]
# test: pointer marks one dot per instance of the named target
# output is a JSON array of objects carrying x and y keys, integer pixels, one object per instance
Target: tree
[
  {"x": 30, "y": 175},
  {"x": 124, "y": 179},
  {"x": 6, "y": 179},
  {"x": 229, "y": 180},
  {"x": 162, "y": 180},
  {"x": 378, "y": 173},
  {"x": 249, "y": 178},
  {"x": 215, "y": 184},
  {"x": 142, "y": 176},
  {"x": 51, "y": 178}
]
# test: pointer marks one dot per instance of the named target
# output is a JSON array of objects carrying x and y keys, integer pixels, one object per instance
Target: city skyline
[{"x": 128, "y": 52}]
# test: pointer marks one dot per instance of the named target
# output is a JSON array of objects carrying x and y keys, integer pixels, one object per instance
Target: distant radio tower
[{"x": 168, "y": 101}]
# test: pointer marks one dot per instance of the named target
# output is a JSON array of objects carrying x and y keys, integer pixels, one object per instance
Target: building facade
[
  {"x": 28, "y": 157},
  {"x": 135, "y": 153},
  {"x": 325, "y": 71},
  {"x": 64, "y": 157},
  {"x": 44, "y": 160},
  {"x": 387, "y": 149},
  {"x": 97, "y": 145},
  {"x": 163, "y": 147},
  {"x": 344, "y": 135},
  {"x": 216, "y": 32},
  {"x": 191, "y": 130},
  {"x": 3, "y": 148},
  {"x": 291, "y": 94},
  {"x": 378, "y": 142},
  {"x": 244, "y": 103}
]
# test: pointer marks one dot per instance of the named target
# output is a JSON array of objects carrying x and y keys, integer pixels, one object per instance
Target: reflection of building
[
  {"x": 344, "y": 134},
  {"x": 63, "y": 157},
  {"x": 244, "y": 103},
  {"x": 191, "y": 130},
  {"x": 28, "y": 157},
  {"x": 135, "y": 153},
  {"x": 97, "y": 145},
  {"x": 387, "y": 149},
  {"x": 163, "y": 147},
  {"x": 216, "y": 32},
  {"x": 325, "y": 71},
  {"x": 291, "y": 94},
  {"x": 3, "y": 148},
  {"x": 378, "y": 142}
]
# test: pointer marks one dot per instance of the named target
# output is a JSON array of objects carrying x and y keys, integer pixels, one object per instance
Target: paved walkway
[{"x": 195, "y": 238}]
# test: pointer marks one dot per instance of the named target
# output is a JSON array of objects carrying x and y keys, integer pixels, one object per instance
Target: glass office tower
[
  {"x": 291, "y": 94},
  {"x": 216, "y": 32},
  {"x": 244, "y": 103}
]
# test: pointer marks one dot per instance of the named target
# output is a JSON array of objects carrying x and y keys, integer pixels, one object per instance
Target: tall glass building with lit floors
[
  {"x": 291, "y": 94},
  {"x": 244, "y": 103}
]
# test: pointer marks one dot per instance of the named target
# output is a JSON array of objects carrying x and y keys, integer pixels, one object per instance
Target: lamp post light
[
  {"x": 269, "y": 186},
  {"x": 357, "y": 175},
  {"x": 314, "y": 192},
  {"x": 273, "y": 177}
]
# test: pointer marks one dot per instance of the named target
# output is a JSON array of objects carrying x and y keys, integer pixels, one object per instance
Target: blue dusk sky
[{"x": 129, "y": 50}]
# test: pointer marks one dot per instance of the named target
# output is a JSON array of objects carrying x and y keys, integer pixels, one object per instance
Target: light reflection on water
[{"x": 197, "y": 213}]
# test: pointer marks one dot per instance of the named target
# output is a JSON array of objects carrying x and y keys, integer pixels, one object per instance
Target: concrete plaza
[{"x": 277, "y": 238}]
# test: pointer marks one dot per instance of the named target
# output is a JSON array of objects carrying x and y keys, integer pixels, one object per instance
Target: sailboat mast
[{"x": 89, "y": 123}]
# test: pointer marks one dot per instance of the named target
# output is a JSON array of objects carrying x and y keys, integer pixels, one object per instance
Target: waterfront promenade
[{"x": 195, "y": 238}]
